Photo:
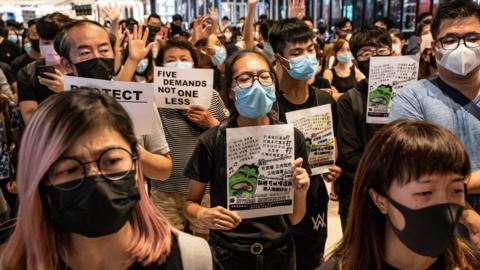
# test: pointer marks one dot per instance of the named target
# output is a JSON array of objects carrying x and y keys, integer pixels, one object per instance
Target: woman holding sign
[
  {"x": 261, "y": 242},
  {"x": 182, "y": 129}
]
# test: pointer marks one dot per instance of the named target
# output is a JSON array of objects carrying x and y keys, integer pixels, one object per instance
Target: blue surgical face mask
[
  {"x": 344, "y": 58},
  {"x": 179, "y": 64},
  {"x": 12, "y": 38},
  {"x": 142, "y": 66},
  {"x": 303, "y": 67},
  {"x": 219, "y": 57},
  {"x": 255, "y": 101},
  {"x": 27, "y": 47},
  {"x": 267, "y": 47}
]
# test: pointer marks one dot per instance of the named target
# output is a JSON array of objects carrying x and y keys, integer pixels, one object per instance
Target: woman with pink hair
[{"x": 83, "y": 204}]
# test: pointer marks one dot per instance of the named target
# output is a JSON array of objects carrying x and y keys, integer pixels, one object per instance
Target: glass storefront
[{"x": 361, "y": 12}]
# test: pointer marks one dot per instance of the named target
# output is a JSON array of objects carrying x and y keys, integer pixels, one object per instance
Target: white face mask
[
  {"x": 460, "y": 61},
  {"x": 228, "y": 35}
]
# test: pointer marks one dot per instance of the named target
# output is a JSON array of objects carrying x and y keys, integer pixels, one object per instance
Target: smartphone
[
  {"x": 153, "y": 30},
  {"x": 42, "y": 69}
]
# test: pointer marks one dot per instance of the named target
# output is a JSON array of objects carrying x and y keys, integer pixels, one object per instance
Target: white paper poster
[
  {"x": 178, "y": 88},
  {"x": 136, "y": 98},
  {"x": 259, "y": 174},
  {"x": 316, "y": 124},
  {"x": 386, "y": 76}
]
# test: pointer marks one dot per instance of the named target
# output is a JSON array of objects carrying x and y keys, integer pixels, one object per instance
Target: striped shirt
[{"x": 182, "y": 138}]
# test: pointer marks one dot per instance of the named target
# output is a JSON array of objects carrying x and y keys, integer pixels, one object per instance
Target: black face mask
[
  {"x": 35, "y": 44},
  {"x": 98, "y": 207},
  {"x": 364, "y": 67},
  {"x": 428, "y": 230},
  {"x": 96, "y": 68}
]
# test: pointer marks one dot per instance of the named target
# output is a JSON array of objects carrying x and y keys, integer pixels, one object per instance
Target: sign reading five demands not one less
[
  {"x": 136, "y": 98},
  {"x": 177, "y": 88}
]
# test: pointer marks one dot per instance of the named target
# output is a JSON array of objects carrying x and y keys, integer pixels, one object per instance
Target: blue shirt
[{"x": 423, "y": 100}]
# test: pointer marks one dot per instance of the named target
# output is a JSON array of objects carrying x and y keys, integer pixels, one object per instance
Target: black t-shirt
[
  {"x": 316, "y": 97},
  {"x": 173, "y": 261},
  {"x": 320, "y": 82},
  {"x": 343, "y": 84},
  {"x": 21, "y": 62},
  {"x": 28, "y": 86},
  {"x": 9, "y": 51},
  {"x": 203, "y": 166}
]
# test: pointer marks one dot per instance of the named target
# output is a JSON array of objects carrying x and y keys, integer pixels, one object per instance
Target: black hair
[
  {"x": 387, "y": 21},
  {"x": 226, "y": 18},
  {"x": 62, "y": 40},
  {"x": 369, "y": 36},
  {"x": 229, "y": 75},
  {"x": 154, "y": 15},
  {"x": 420, "y": 26},
  {"x": 49, "y": 25},
  {"x": 307, "y": 18},
  {"x": 322, "y": 27},
  {"x": 342, "y": 22},
  {"x": 177, "y": 17},
  {"x": 265, "y": 28},
  {"x": 424, "y": 15},
  {"x": 454, "y": 10},
  {"x": 241, "y": 18},
  {"x": 289, "y": 30},
  {"x": 262, "y": 17},
  {"x": 31, "y": 23},
  {"x": 181, "y": 44}
]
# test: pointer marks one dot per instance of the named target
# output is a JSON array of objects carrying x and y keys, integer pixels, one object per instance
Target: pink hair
[{"x": 35, "y": 244}]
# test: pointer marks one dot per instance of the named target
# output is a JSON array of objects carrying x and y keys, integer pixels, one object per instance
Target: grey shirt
[{"x": 423, "y": 100}]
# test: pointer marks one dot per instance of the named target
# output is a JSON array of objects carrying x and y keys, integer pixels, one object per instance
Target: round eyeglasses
[
  {"x": 369, "y": 52},
  {"x": 245, "y": 80},
  {"x": 69, "y": 173}
]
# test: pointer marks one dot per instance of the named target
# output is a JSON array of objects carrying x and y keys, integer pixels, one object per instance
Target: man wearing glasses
[
  {"x": 452, "y": 98},
  {"x": 353, "y": 131}
]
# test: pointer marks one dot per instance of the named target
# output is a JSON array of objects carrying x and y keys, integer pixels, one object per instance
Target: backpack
[{"x": 195, "y": 252}]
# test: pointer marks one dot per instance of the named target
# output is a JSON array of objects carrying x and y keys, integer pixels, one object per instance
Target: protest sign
[
  {"x": 316, "y": 124},
  {"x": 178, "y": 88},
  {"x": 387, "y": 75},
  {"x": 259, "y": 175},
  {"x": 136, "y": 98}
]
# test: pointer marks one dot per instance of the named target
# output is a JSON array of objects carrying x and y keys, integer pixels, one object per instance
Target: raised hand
[
  {"x": 112, "y": 11},
  {"x": 137, "y": 44},
  {"x": 296, "y": 9}
]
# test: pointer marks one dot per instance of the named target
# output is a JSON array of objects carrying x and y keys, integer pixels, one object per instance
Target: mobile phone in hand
[{"x": 42, "y": 69}]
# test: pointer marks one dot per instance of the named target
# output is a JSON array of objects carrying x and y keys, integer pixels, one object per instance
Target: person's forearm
[
  {"x": 249, "y": 28},
  {"x": 191, "y": 209},
  {"x": 299, "y": 209},
  {"x": 156, "y": 166},
  {"x": 127, "y": 71},
  {"x": 474, "y": 183}
]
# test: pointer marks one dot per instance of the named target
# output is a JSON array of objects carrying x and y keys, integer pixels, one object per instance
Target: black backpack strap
[{"x": 457, "y": 97}]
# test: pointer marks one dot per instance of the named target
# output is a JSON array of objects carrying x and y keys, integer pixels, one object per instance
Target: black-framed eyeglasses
[
  {"x": 365, "y": 54},
  {"x": 68, "y": 173},
  {"x": 451, "y": 42},
  {"x": 245, "y": 80}
]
